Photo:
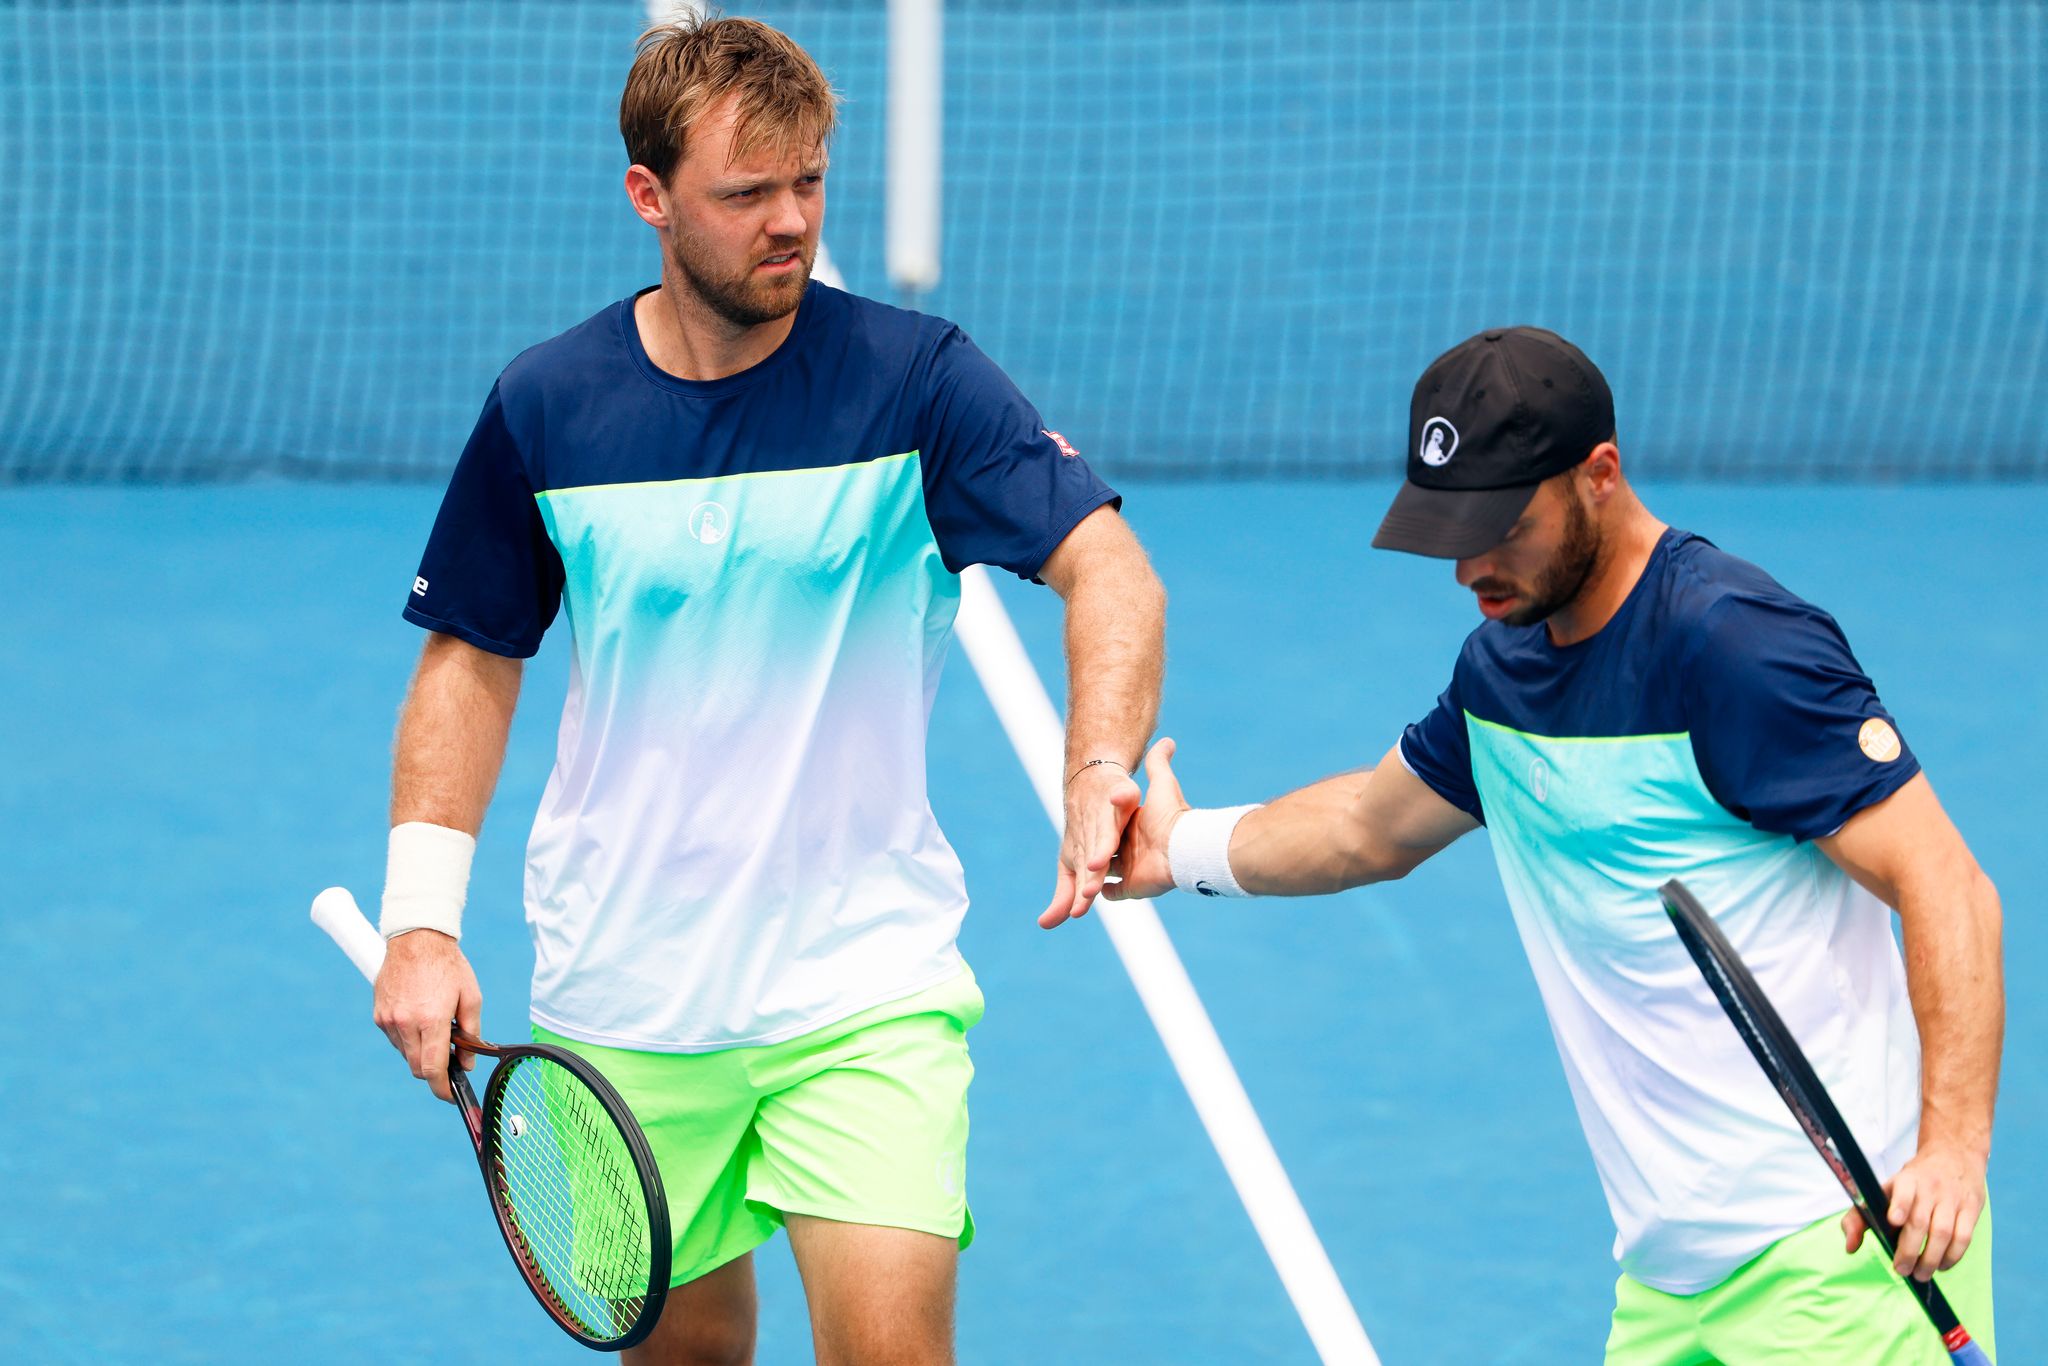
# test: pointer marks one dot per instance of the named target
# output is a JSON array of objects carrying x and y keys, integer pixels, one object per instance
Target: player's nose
[{"x": 789, "y": 219}]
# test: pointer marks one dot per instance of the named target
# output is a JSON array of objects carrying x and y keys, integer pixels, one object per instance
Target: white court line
[{"x": 1027, "y": 714}]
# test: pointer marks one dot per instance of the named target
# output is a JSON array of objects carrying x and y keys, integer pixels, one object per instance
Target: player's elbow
[
  {"x": 1951, "y": 874},
  {"x": 1153, "y": 589},
  {"x": 1368, "y": 858},
  {"x": 1134, "y": 581},
  {"x": 1955, "y": 899},
  {"x": 1985, "y": 900}
]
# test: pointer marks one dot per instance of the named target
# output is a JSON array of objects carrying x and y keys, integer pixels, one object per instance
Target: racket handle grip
[{"x": 336, "y": 912}]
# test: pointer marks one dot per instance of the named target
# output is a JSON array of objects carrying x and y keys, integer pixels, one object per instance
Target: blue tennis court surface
[{"x": 210, "y": 1155}]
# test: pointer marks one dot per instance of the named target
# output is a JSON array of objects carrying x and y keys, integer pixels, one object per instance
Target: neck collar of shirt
[
  {"x": 629, "y": 328},
  {"x": 1671, "y": 536}
]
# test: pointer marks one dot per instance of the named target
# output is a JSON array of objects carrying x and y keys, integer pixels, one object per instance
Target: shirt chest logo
[{"x": 710, "y": 523}]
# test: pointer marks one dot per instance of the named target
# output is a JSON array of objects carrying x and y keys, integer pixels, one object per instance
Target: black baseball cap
[{"x": 1492, "y": 418}]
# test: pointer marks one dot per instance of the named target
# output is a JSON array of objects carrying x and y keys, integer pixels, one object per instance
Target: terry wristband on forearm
[
  {"x": 1198, "y": 851},
  {"x": 426, "y": 879}
]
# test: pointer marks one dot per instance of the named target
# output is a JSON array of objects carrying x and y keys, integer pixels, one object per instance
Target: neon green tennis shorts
[
  {"x": 1804, "y": 1300},
  {"x": 863, "y": 1121}
]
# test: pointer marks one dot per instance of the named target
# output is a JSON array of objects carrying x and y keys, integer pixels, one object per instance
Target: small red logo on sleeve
[{"x": 1066, "y": 447}]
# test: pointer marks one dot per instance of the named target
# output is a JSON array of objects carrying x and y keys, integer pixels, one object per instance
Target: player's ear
[
  {"x": 1602, "y": 471},
  {"x": 648, "y": 195}
]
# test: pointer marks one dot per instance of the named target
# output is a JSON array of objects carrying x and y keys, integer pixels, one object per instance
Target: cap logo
[{"x": 1439, "y": 442}]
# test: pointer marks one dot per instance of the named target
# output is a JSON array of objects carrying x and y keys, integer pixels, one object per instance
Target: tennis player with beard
[
  {"x": 1637, "y": 706},
  {"x": 752, "y": 495}
]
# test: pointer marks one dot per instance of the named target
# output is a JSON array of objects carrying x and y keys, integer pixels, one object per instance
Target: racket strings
[
  {"x": 585, "y": 1221},
  {"x": 569, "y": 1183},
  {"x": 570, "y": 1188}
]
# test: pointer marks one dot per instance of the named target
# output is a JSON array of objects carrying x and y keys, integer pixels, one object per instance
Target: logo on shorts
[
  {"x": 419, "y": 588},
  {"x": 1439, "y": 442},
  {"x": 710, "y": 523},
  {"x": 948, "y": 1172},
  {"x": 1066, "y": 447},
  {"x": 1539, "y": 780},
  {"x": 1879, "y": 742}
]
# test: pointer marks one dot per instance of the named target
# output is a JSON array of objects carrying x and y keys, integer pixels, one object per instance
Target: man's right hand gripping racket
[
  {"x": 571, "y": 1180},
  {"x": 1774, "y": 1048}
]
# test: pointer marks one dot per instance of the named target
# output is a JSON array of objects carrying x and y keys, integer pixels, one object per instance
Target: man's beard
[
  {"x": 742, "y": 300},
  {"x": 1565, "y": 575}
]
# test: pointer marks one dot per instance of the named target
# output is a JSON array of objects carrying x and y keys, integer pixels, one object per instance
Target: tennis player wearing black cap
[{"x": 1636, "y": 706}]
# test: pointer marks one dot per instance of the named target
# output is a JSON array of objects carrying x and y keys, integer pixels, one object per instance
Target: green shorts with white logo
[
  {"x": 863, "y": 1121},
  {"x": 1804, "y": 1300}
]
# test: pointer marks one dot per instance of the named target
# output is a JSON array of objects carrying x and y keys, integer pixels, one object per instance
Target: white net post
[{"x": 916, "y": 96}]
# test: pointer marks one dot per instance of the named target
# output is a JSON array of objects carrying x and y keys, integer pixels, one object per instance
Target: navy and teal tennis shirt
[
  {"x": 760, "y": 575},
  {"x": 1711, "y": 731}
]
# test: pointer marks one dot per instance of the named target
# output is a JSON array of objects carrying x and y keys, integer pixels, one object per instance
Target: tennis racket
[
  {"x": 571, "y": 1180},
  {"x": 1778, "y": 1053}
]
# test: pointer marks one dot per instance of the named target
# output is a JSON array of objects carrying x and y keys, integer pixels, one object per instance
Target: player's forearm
[
  {"x": 1300, "y": 844},
  {"x": 1953, "y": 928},
  {"x": 1373, "y": 825},
  {"x": 1116, "y": 653},
  {"x": 451, "y": 735}
]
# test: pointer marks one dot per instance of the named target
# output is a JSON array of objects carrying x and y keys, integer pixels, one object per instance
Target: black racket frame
[
  {"x": 1779, "y": 1054},
  {"x": 476, "y": 1117}
]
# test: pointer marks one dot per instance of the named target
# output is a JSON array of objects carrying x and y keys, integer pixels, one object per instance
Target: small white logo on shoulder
[
  {"x": 710, "y": 523},
  {"x": 419, "y": 588},
  {"x": 1439, "y": 442}
]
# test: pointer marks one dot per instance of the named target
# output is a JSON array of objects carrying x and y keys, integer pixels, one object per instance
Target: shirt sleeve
[
  {"x": 1786, "y": 727},
  {"x": 999, "y": 487},
  {"x": 490, "y": 574},
  {"x": 1438, "y": 750}
]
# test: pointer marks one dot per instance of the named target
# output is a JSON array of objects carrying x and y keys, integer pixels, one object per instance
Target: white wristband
[
  {"x": 426, "y": 879},
  {"x": 1198, "y": 851}
]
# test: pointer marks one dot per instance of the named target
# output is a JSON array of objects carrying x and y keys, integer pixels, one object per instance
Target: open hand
[
  {"x": 1141, "y": 858},
  {"x": 1100, "y": 801}
]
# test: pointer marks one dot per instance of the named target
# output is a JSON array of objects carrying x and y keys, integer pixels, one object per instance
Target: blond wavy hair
[{"x": 684, "y": 68}]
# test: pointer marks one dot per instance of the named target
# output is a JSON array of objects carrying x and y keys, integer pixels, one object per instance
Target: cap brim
[{"x": 1451, "y": 524}]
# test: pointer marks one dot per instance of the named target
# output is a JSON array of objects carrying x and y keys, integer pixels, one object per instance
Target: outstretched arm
[
  {"x": 1911, "y": 856},
  {"x": 1370, "y": 826},
  {"x": 1116, "y": 652}
]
